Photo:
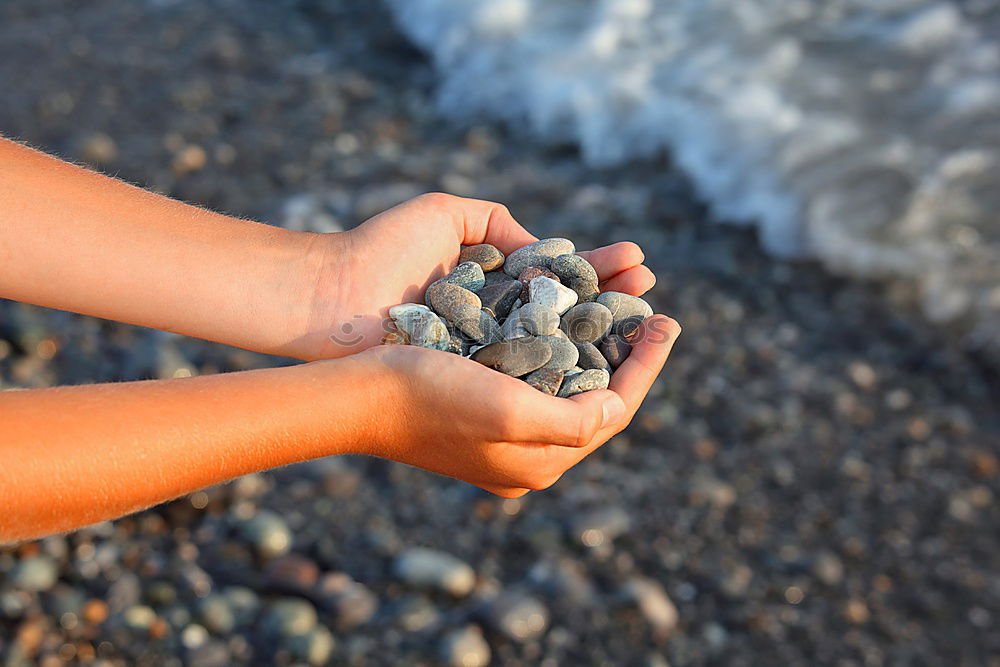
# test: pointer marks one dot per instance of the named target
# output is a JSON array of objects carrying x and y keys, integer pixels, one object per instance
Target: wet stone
[
  {"x": 540, "y": 253},
  {"x": 515, "y": 357},
  {"x": 591, "y": 357},
  {"x": 498, "y": 299},
  {"x": 616, "y": 350},
  {"x": 577, "y": 274},
  {"x": 627, "y": 327},
  {"x": 564, "y": 353},
  {"x": 587, "y": 322},
  {"x": 545, "y": 380},
  {"x": 547, "y": 292},
  {"x": 486, "y": 256},
  {"x": 588, "y": 380},
  {"x": 535, "y": 319},
  {"x": 624, "y": 305},
  {"x": 529, "y": 274}
]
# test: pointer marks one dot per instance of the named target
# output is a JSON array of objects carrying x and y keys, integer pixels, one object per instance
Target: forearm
[
  {"x": 76, "y": 240},
  {"x": 77, "y": 455}
]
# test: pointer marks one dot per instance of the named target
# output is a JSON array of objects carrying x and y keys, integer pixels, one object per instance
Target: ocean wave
[{"x": 865, "y": 133}]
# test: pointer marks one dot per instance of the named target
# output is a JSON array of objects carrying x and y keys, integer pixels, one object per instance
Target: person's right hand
[{"x": 455, "y": 417}]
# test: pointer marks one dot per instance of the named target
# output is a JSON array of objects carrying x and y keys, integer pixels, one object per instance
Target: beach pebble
[
  {"x": 467, "y": 274},
  {"x": 478, "y": 326},
  {"x": 465, "y": 647},
  {"x": 540, "y": 253},
  {"x": 599, "y": 526},
  {"x": 515, "y": 357},
  {"x": 564, "y": 353},
  {"x": 268, "y": 533},
  {"x": 486, "y": 256},
  {"x": 314, "y": 647},
  {"x": 588, "y": 380},
  {"x": 421, "y": 567},
  {"x": 627, "y": 327},
  {"x": 616, "y": 350},
  {"x": 498, "y": 299},
  {"x": 624, "y": 305},
  {"x": 546, "y": 380},
  {"x": 497, "y": 277},
  {"x": 547, "y": 292},
  {"x": 422, "y": 325},
  {"x": 591, "y": 357},
  {"x": 653, "y": 603},
  {"x": 536, "y": 319},
  {"x": 517, "y": 616},
  {"x": 529, "y": 274},
  {"x": 352, "y": 604},
  {"x": 288, "y": 617},
  {"x": 35, "y": 574},
  {"x": 587, "y": 322},
  {"x": 216, "y": 614},
  {"x": 447, "y": 299},
  {"x": 578, "y": 274}
]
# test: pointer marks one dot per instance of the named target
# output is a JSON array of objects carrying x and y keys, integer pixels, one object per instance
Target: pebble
[
  {"x": 467, "y": 274},
  {"x": 529, "y": 274},
  {"x": 546, "y": 380},
  {"x": 616, "y": 350},
  {"x": 486, "y": 256},
  {"x": 498, "y": 299},
  {"x": 627, "y": 327},
  {"x": 210, "y": 654},
  {"x": 315, "y": 646},
  {"x": 291, "y": 573},
  {"x": 289, "y": 617},
  {"x": 352, "y": 604},
  {"x": 536, "y": 319},
  {"x": 416, "y": 613},
  {"x": 465, "y": 647},
  {"x": 624, "y": 305},
  {"x": 517, "y": 615},
  {"x": 478, "y": 326},
  {"x": 422, "y": 325},
  {"x": 139, "y": 618},
  {"x": 436, "y": 570},
  {"x": 216, "y": 614},
  {"x": 515, "y": 357},
  {"x": 591, "y": 357},
  {"x": 268, "y": 533},
  {"x": 600, "y": 526},
  {"x": 497, "y": 277},
  {"x": 35, "y": 574},
  {"x": 653, "y": 603},
  {"x": 447, "y": 300},
  {"x": 578, "y": 274},
  {"x": 587, "y": 322},
  {"x": 547, "y": 292},
  {"x": 564, "y": 353},
  {"x": 540, "y": 253},
  {"x": 244, "y": 603}
]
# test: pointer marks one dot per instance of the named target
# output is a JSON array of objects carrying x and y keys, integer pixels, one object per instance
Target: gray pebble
[
  {"x": 243, "y": 602},
  {"x": 422, "y": 325},
  {"x": 288, "y": 617},
  {"x": 518, "y": 616},
  {"x": 598, "y": 527},
  {"x": 616, "y": 350},
  {"x": 515, "y": 357},
  {"x": 653, "y": 603},
  {"x": 468, "y": 275},
  {"x": 268, "y": 533},
  {"x": 627, "y": 327},
  {"x": 540, "y": 253},
  {"x": 591, "y": 357},
  {"x": 436, "y": 570},
  {"x": 587, "y": 322},
  {"x": 486, "y": 256},
  {"x": 497, "y": 277},
  {"x": 35, "y": 574},
  {"x": 564, "y": 353},
  {"x": 577, "y": 274},
  {"x": 534, "y": 318},
  {"x": 624, "y": 305},
  {"x": 216, "y": 613},
  {"x": 314, "y": 647},
  {"x": 352, "y": 604},
  {"x": 138, "y": 618},
  {"x": 498, "y": 299},
  {"x": 546, "y": 380},
  {"x": 478, "y": 326},
  {"x": 465, "y": 647},
  {"x": 588, "y": 380}
]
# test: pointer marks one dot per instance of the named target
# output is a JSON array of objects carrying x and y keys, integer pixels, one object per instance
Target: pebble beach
[{"x": 813, "y": 480}]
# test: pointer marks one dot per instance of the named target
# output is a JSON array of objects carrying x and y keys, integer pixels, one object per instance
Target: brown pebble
[
  {"x": 616, "y": 350},
  {"x": 396, "y": 338},
  {"x": 484, "y": 255},
  {"x": 95, "y": 611}
]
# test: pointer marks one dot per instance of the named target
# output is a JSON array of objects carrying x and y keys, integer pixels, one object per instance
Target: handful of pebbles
[{"x": 537, "y": 315}]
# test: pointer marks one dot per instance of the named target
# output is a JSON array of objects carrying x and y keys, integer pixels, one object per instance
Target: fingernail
[{"x": 613, "y": 410}]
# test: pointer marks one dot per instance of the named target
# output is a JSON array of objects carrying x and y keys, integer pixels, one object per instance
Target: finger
[
  {"x": 650, "y": 348},
  {"x": 611, "y": 260},
  {"x": 570, "y": 423},
  {"x": 479, "y": 221},
  {"x": 635, "y": 281},
  {"x": 504, "y": 491}
]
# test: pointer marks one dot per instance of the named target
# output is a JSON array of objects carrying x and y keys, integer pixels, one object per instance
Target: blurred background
[{"x": 812, "y": 481}]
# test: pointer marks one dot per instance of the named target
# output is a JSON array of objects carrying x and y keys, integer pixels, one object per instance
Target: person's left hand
[{"x": 393, "y": 257}]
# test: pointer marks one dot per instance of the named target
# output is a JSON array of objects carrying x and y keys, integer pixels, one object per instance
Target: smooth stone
[
  {"x": 498, "y": 299},
  {"x": 352, "y": 604},
  {"x": 405, "y": 315},
  {"x": 545, "y": 380},
  {"x": 416, "y": 613},
  {"x": 244, "y": 603},
  {"x": 139, "y": 617},
  {"x": 515, "y": 357},
  {"x": 588, "y": 380},
  {"x": 468, "y": 275},
  {"x": 35, "y": 574},
  {"x": 587, "y": 322},
  {"x": 436, "y": 570},
  {"x": 600, "y": 526},
  {"x": 529, "y": 274},
  {"x": 422, "y": 325},
  {"x": 486, "y": 256},
  {"x": 616, "y": 350},
  {"x": 540, "y": 253},
  {"x": 578, "y": 274},
  {"x": 216, "y": 614},
  {"x": 497, "y": 277},
  {"x": 291, "y": 573},
  {"x": 653, "y": 603},
  {"x": 624, "y": 305},
  {"x": 535, "y": 318},
  {"x": 564, "y": 353},
  {"x": 591, "y": 357},
  {"x": 547, "y": 292},
  {"x": 627, "y": 327},
  {"x": 314, "y": 647},
  {"x": 465, "y": 647},
  {"x": 268, "y": 533},
  {"x": 289, "y": 617},
  {"x": 478, "y": 325},
  {"x": 518, "y": 616},
  {"x": 447, "y": 299},
  {"x": 559, "y": 333}
]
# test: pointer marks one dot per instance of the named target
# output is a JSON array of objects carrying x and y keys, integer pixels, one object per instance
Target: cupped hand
[
  {"x": 455, "y": 417},
  {"x": 390, "y": 259}
]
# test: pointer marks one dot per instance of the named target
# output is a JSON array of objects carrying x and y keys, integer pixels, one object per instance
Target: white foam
[{"x": 864, "y": 132}]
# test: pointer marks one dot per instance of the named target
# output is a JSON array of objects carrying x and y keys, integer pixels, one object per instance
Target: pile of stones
[{"x": 537, "y": 315}]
